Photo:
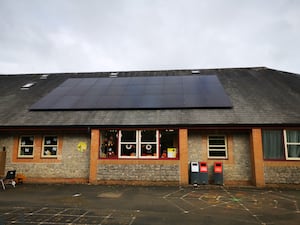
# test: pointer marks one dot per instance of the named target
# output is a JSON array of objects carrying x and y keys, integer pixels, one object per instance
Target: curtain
[{"x": 273, "y": 144}]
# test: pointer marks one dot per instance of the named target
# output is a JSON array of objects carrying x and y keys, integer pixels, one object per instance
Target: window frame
[
  {"x": 43, "y": 155},
  {"x": 131, "y": 143},
  {"x": 210, "y": 147},
  {"x": 286, "y": 144},
  {"x": 157, "y": 135},
  {"x": 30, "y": 146},
  {"x": 282, "y": 146}
]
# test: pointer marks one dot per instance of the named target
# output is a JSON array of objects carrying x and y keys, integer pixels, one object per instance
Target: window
[
  {"x": 128, "y": 143},
  {"x": 50, "y": 146},
  {"x": 273, "y": 144},
  {"x": 139, "y": 144},
  {"x": 168, "y": 144},
  {"x": 217, "y": 147},
  {"x": 26, "y": 146},
  {"x": 148, "y": 143},
  {"x": 292, "y": 144},
  {"x": 109, "y": 144},
  {"x": 281, "y": 144}
]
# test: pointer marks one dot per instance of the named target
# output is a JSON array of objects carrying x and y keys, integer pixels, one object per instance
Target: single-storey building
[{"x": 145, "y": 127}]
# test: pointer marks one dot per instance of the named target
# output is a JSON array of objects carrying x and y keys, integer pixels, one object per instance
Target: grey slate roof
[{"x": 260, "y": 96}]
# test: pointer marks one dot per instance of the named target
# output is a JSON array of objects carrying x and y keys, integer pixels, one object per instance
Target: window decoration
[
  {"x": 50, "y": 146},
  {"x": 128, "y": 143},
  {"x": 217, "y": 147},
  {"x": 143, "y": 144},
  {"x": 26, "y": 146},
  {"x": 169, "y": 144},
  {"x": 109, "y": 145}
]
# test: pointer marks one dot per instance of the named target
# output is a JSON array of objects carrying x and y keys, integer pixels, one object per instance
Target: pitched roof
[{"x": 260, "y": 96}]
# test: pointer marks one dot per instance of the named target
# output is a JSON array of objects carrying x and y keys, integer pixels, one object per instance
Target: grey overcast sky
[{"x": 46, "y": 36}]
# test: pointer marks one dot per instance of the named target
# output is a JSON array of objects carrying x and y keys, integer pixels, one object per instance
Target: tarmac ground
[{"x": 80, "y": 204}]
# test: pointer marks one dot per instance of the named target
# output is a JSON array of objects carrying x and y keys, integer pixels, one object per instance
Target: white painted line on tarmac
[
  {"x": 174, "y": 192},
  {"x": 132, "y": 220},
  {"x": 106, "y": 218}
]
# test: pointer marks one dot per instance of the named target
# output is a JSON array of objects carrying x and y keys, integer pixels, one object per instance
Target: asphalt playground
[{"x": 80, "y": 204}]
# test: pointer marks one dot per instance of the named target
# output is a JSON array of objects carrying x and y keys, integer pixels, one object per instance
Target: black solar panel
[{"x": 204, "y": 91}]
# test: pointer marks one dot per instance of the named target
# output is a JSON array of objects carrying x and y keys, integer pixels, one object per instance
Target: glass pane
[
  {"x": 50, "y": 140},
  {"x": 216, "y": 141},
  {"x": 27, "y": 140},
  {"x": 217, "y": 153},
  {"x": 48, "y": 151},
  {"x": 109, "y": 143},
  {"x": 26, "y": 151},
  {"x": 128, "y": 150},
  {"x": 128, "y": 136},
  {"x": 294, "y": 151},
  {"x": 217, "y": 148},
  {"x": 148, "y": 135},
  {"x": 168, "y": 139},
  {"x": 273, "y": 144},
  {"x": 293, "y": 136},
  {"x": 149, "y": 150}
]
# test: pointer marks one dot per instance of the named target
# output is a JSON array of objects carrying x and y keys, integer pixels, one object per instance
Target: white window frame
[
  {"x": 149, "y": 143},
  {"x": 286, "y": 143},
  {"x": 21, "y": 145},
  {"x": 49, "y": 145},
  {"x": 213, "y": 147},
  {"x": 127, "y": 143},
  {"x": 138, "y": 142}
]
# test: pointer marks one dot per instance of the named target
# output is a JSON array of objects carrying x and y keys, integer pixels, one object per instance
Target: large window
[
  {"x": 217, "y": 147},
  {"x": 281, "y": 144},
  {"x": 26, "y": 146},
  {"x": 139, "y": 144}
]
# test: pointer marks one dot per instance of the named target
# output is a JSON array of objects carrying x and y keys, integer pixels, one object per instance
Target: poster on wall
[{"x": 172, "y": 152}]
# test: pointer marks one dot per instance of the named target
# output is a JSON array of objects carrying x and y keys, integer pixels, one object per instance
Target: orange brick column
[
  {"x": 95, "y": 139},
  {"x": 257, "y": 158},
  {"x": 183, "y": 150}
]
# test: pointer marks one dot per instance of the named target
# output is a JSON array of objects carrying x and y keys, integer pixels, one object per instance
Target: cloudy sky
[{"x": 43, "y": 36}]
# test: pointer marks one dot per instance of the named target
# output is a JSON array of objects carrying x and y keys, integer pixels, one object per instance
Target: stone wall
[
  {"x": 282, "y": 174},
  {"x": 238, "y": 165},
  {"x": 71, "y": 164},
  {"x": 138, "y": 172}
]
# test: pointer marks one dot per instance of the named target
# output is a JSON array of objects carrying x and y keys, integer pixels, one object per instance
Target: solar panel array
[{"x": 157, "y": 92}]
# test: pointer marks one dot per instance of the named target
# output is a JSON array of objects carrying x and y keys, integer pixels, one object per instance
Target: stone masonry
[
  {"x": 282, "y": 174},
  {"x": 73, "y": 163},
  {"x": 138, "y": 172}
]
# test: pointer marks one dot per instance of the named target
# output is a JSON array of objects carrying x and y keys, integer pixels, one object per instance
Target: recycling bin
[
  {"x": 203, "y": 173},
  {"x": 218, "y": 173},
  {"x": 194, "y": 173}
]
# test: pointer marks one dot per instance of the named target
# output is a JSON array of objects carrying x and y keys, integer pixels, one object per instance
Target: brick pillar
[
  {"x": 94, "y": 153},
  {"x": 183, "y": 158},
  {"x": 257, "y": 158}
]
